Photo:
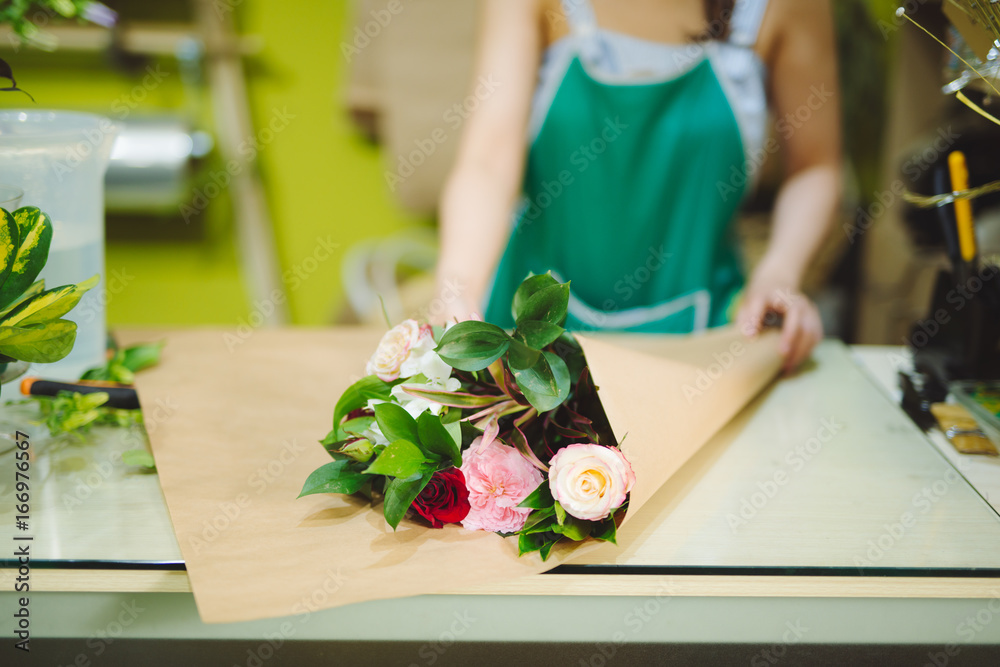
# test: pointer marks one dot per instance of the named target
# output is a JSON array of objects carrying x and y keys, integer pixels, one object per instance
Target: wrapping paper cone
[
  {"x": 665, "y": 397},
  {"x": 235, "y": 436}
]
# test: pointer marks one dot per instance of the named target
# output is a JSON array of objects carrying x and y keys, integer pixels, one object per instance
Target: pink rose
[
  {"x": 590, "y": 481},
  {"x": 400, "y": 351},
  {"x": 498, "y": 479}
]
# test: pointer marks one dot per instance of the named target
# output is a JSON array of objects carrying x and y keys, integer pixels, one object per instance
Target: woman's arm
[
  {"x": 486, "y": 179},
  {"x": 805, "y": 96}
]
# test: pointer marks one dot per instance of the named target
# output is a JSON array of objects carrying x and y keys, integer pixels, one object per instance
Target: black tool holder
[{"x": 960, "y": 337}]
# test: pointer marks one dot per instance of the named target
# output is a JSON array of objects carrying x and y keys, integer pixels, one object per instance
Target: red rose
[{"x": 445, "y": 499}]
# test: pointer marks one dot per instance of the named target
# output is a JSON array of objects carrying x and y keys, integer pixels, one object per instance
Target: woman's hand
[
  {"x": 766, "y": 301},
  {"x": 455, "y": 309}
]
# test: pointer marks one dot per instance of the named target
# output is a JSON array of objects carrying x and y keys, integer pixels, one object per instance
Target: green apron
[{"x": 629, "y": 193}]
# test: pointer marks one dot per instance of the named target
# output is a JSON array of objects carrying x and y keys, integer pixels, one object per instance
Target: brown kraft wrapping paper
[{"x": 239, "y": 435}]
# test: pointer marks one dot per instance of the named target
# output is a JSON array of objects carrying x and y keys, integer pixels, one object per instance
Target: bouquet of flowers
[{"x": 472, "y": 425}]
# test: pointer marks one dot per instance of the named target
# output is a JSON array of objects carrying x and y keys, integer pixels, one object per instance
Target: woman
[{"x": 647, "y": 120}]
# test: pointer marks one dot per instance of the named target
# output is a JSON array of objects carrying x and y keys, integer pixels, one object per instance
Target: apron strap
[
  {"x": 581, "y": 18},
  {"x": 583, "y": 28},
  {"x": 746, "y": 20}
]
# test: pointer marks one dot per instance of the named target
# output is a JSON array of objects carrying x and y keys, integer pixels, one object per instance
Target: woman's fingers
[
  {"x": 750, "y": 315},
  {"x": 791, "y": 331},
  {"x": 808, "y": 331}
]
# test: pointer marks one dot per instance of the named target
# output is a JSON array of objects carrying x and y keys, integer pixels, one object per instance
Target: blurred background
[{"x": 280, "y": 161}]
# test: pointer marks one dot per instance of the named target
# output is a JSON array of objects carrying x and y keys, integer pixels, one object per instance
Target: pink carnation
[{"x": 498, "y": 479}]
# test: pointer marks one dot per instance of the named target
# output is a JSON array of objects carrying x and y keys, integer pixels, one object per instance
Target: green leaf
[
  {"x": 560, "y": 514},
  {"x": 541, "y": 385},
  {"x": 539, "y": 499},
  {"x": 469, "y": 434},
  {"x": 49, "y": 305},
  {"x": 358, "y": 425},
  {"x": 8, "y": 250},
  {"x": 541, "y": 542},
  {"x": 606, "y": 531},
  {"x": 37, "y": 287},
  {"x": 538, "y": 333},
  {"x": 360, "y": 450},
  {"x": 400, "y": 458},
  {"x": 527, "y": 289},
  {"x": 573, "y": 528},
  {"x": 141, "y": 357},
  {"x": 455, "y": 431},
  {"x": 538, "y": 518},
  {"x": 453, "y": 399},
  {"x": 38, "y": 343},
  {"x": 400, "y": 494},
  {"x": 396, "y": 423},
  {"x": 520, "y": 443},
  {"x": 521, "y": 357},
  {"x": 34, "y": 235},
  {"x": 472, "y": 346},
  {"x": 90, "y": 401},
  {"x": 139, "y": 458},
  {"x": 357, "y": 396},
  {"x": 548, "y": 304},
  {"x": 434, "y": 438},
  {"x": 340, "y": 476},
  {"x": 561, "y": 373}
]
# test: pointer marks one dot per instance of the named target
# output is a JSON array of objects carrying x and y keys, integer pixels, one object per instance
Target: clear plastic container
[{"x": 58, "y": 158}]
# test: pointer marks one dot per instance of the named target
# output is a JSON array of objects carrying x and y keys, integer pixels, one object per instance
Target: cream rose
[
  {"x": 400, "y": 351},
  {"x": 590, "y": 481}
]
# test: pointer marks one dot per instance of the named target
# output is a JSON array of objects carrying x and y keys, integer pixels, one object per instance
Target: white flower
[
  {"x": 401, "y": 351},
  {"x": 416, "y": 405},
  {"x": 590, "y": 481}
]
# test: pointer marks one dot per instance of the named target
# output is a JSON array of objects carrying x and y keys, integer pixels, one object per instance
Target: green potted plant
[
  {"x": 21, "y": 14},
  {"x": 32, "y": 329}
]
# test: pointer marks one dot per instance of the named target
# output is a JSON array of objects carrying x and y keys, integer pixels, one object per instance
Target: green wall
[{"x": 323, "y": 183}]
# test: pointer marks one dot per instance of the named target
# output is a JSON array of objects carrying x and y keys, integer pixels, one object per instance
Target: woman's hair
[{"x": 718, "y": 13}]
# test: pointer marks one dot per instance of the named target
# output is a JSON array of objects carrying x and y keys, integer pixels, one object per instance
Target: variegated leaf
[
  {"x": 8, "y": 248},
  {"x": 38, "y": 343},
  {"x": 50, "y": 305},
  {"x": 36, "y": 288},
  {"x": 34, "y": 234}
]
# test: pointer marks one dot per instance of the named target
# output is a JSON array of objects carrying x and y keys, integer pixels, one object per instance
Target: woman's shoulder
[{"x": 786, "y": 18}]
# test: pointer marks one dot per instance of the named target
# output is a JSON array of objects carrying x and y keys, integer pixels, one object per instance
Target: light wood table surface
[{"x": 821, "y": 490}]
